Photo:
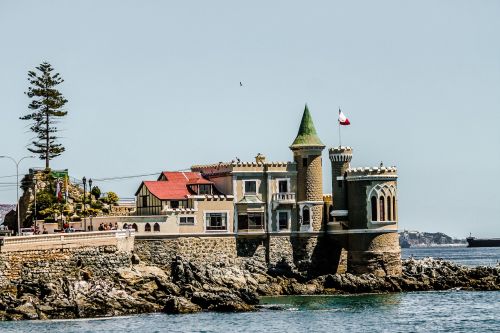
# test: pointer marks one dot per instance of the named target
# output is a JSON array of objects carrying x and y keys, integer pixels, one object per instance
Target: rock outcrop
[{"x": 226, "y": 286}]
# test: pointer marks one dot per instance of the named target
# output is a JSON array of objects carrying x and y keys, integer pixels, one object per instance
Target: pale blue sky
[{"x": 154, "y": 85}]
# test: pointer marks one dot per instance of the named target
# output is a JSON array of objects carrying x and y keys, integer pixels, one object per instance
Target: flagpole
[{"x": 340, "y": 137}]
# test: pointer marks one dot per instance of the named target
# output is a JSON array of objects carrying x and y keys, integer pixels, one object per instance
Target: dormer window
[
  {"x": 250, "y": 187},
  {"x": 205, "y": 189}
]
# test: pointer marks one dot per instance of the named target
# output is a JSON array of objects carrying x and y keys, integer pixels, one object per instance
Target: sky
[{"x": 154, "y": 85}]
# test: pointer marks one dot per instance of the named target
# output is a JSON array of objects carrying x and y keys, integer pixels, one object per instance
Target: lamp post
[
  {"x": 90, "y": 200},
  {"x": 34, "y": 192},
  {"x": 17, "y": 188},
  {"x": 84, "y": 180}
]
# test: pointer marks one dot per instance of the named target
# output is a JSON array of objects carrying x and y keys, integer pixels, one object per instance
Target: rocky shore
[{"x": 228, "y": 287}]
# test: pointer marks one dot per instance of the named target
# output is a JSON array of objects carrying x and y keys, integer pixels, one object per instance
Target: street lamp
[
  {"x": 84, "y": 180},
  {"x": 17, "y": 188}
]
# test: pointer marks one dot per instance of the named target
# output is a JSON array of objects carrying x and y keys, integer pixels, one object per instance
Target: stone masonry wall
[
  {"x": 199, "y": 250},
  {"x": 307, "y": 256},
  {"x": 58, "y": 263},
  {"x": 377, "y": 254},
  {"x": 314, "y": 179}
]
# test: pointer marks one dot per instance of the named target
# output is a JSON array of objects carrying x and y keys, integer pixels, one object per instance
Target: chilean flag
[{"x": 343, "y": 119}]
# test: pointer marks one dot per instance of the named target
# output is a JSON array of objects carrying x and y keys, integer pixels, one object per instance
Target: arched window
[
  {"x": 147, "y": 227},
  {"x": 374, "y": 209},
  {"x": 156, "y": 227},
  {"x": 306, "y": 215},
  {"x": 389, "y": 208},
  {"x": 382, "y": 209},
  {"x": 134, "y": 226},
  {"x": 394, "y": 209},
  {"x": 125, "y": 226}
]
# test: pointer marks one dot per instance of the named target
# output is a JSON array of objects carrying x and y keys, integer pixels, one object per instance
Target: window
[
  {"x": 242, "y": 221},
  {"x": 304, "y": 162},
  {"x": 186, "y": 220},
  {"x": 147, "y": 227},
  {"x": 394, "y": 208},
  {"x": 216, "y": 221},
  {"x": 134, "y": 226},
  {"x": 156, "y": 227},
  {"x": 283, "y": 220},
  {"x": 382, "y": 209},
  {"x": 174, "y": 204},
  {"x": 389, "y": 210},
  {"x": 306, "y": 216},
  {"x": 250, "y": 187},
  {"x": 204, "y": 189},
  {"x": 283, "y": 186},
  {"x": 255, "y": 221},
  {"x": 374, "y": 208},
  {"x": 144, "y": 201},
  {"x": 250, "y": 221}
]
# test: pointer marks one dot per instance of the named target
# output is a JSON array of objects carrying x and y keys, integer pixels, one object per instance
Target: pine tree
[{"x": 45, "y": 108}]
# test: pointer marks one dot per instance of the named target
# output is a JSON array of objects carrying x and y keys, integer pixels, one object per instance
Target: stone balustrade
[
  {"x": 284, "y": 196},
  {"x": 122, "y": 239}
]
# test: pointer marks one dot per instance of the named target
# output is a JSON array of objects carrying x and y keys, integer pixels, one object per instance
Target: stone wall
[
  {"x": 46, "y": 265},
  {"x": 312, "y": 255},
  {"x": 379, "y": 254},
  {"x": 308, "y": 256},
  {"x": 198, "y": 250}
]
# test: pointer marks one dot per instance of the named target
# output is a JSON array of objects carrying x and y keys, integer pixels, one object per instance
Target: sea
[{"x": 444, "y": 311}]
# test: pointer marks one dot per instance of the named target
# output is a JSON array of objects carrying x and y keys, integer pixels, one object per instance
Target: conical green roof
[{"x": 307, "y": 135}]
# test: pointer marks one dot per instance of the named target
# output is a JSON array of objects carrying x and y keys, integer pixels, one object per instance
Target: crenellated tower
[
  {"x": 307, "y": 149},
  {"x": 340, "y": 158}
]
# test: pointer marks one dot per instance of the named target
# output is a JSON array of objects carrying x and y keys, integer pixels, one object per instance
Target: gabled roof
[
  {"x": 307, "y": 136},
  {"x": 175, "y": 185}
]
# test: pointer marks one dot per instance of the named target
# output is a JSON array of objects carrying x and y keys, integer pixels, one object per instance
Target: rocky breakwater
[
  {"x": 417, "y": 275},
  {"x": 235, "y": 285},
  {"x": 132, "y": 289}
]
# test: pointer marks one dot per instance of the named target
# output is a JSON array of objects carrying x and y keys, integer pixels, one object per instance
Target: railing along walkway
[{"x": 20, "y": 243}]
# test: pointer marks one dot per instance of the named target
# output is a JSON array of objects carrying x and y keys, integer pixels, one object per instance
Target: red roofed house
[{"x": 191, "y": 202}]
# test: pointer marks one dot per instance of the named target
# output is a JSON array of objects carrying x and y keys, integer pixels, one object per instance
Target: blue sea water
[{"x": 447, "y": 311}]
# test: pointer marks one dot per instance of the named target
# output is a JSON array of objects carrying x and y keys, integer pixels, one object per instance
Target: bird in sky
[{"x": 241, "y": 84}]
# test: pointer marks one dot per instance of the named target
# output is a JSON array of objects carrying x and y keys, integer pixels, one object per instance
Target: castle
[{"x": 281, "y": 206}]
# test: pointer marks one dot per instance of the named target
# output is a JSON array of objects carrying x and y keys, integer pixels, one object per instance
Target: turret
[
  {"x": 307, "y": 149},
  {"x": 340, "y": 158}
]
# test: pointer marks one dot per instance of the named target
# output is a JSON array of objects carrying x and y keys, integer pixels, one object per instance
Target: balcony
[{"x": 283, "y": 198}]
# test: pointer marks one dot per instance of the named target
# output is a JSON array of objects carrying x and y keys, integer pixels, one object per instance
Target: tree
[
  {"x": 112, "y": 197},
  {"x": 96, "y": 192},
  {"x": 45, "y": 108}
]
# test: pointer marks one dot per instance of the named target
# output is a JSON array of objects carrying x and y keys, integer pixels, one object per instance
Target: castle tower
[
  {"x": 307, "y": 149},
  {"x": 340, "y": 158},
  {"x": 372, "y": 204}
]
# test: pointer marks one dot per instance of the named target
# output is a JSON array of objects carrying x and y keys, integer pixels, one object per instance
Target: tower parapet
[{"x": 374, "y": 173}]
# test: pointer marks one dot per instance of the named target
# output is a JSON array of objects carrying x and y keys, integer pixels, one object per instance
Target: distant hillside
[
  {"x": 4, "y": 209},
  {"x": 423, "y": 239}
]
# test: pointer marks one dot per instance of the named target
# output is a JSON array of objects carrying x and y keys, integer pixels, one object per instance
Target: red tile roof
[{"x": 174, "y": 187}]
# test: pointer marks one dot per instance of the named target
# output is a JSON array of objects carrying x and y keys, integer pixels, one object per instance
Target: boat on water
[{"x": 483, "y": 242}]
